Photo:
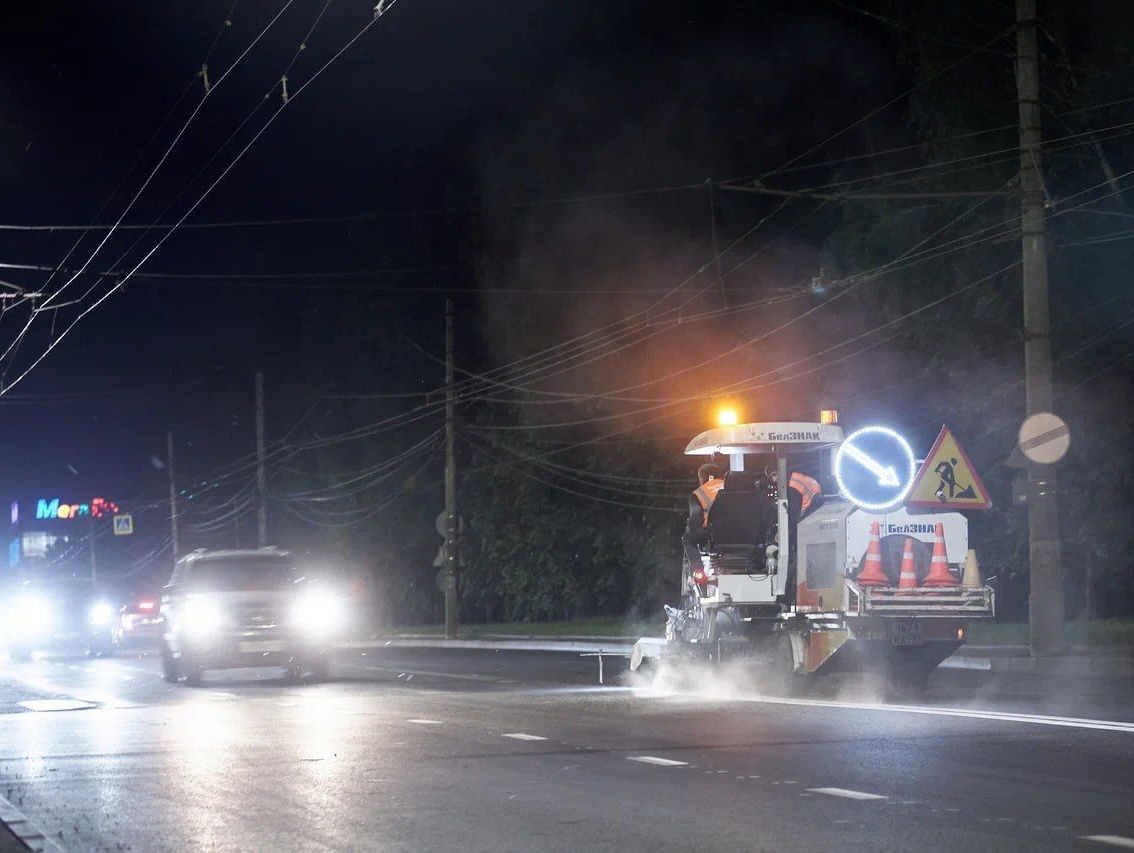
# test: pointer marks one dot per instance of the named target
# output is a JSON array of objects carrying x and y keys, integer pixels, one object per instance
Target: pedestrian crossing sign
[
  {"x": 947, "y": 479},
  {"x": 123, "y": 525}
]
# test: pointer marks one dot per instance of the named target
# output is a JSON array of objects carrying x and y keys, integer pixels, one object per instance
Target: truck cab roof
[{"x": 756, "y": 438}]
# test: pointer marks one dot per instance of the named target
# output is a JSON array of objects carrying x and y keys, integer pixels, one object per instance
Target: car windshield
[{"x": 242, "y": 573}]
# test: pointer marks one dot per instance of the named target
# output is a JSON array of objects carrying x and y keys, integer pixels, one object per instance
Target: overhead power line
[{"x": 384, "y": 9}]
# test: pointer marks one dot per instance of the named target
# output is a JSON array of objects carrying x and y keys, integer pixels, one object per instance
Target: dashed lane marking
[
  {"x": 660, "y": 762},
  {"x": 421, "y": 722},
  {"x": 56, "y": 705},
  {"x": 30, "y": 834},
  {"x": 523, "y": 736},
  {"x": 44, "y": 685},
  {"x": 466, "y": 676},
  {"x": 846, "y": 793},
  {"x": 1113, "y": 840}
]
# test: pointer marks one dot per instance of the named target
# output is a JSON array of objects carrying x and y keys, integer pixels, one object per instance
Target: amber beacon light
[{"x": 728, "y": 416}]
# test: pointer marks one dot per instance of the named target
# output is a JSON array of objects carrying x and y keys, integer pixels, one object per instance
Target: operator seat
[{"x": 739, "y": 522}]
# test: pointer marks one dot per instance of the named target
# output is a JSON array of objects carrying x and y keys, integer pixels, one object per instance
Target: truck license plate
[
  {"x": 905, "y": 632},
  {"x": 262, "y": 646}
]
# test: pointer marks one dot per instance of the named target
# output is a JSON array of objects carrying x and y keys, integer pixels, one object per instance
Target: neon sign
[{"x": 97, "y": 508}]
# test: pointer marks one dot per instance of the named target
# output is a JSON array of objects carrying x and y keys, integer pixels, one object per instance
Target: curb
[
  {"x": 613, "y": 647},
  {"x": 992, "y": 659}
]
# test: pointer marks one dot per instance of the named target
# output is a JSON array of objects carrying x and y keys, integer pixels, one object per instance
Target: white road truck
[{"x": 820, "y": 593}]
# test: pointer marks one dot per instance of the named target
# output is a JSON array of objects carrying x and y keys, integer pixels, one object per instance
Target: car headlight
[
  {"x": 201, "y": 616},
  {"x": 101, "y": 613},
  {"x": 31, "y": 614},
  {"x": 319, "y": 613}
]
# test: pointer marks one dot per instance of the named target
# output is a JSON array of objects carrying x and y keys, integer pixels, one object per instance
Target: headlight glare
[
  {"x": 101, "y": 614},
  {"x": 319, "y": 613},
  {"x": 201, "y": 616}
]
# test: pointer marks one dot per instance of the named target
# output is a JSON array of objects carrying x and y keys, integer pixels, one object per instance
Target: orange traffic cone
[
  {"x": 939, "y": 574},
  {"x": 907, "y": 579},
  {"x": 872, "y": 574}
]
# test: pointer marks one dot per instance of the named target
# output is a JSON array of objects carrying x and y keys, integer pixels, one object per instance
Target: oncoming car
[
  {"x": 61, "y": 614},
  {"x": 228, "y": 609}
]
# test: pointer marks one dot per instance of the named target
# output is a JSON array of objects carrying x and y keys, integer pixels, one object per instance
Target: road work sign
[
  {"x": 1044, "y": 438},
  {"x": 947, "y": 479},
  {"x": 123, "y": 525}
]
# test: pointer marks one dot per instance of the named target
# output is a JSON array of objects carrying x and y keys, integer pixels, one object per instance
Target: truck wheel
[{"x": 784, "y": 680}]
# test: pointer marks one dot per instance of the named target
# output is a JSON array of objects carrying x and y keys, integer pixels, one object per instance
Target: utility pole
[
  {"x": 172, "y": 494},
  {"x": 261, "y": 480},
  {"x": 452, "y": 521},
  {"x": 1045, "y": 602}
]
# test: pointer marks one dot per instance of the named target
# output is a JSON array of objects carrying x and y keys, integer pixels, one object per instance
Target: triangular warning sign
[{"x": 947, "y": 479}]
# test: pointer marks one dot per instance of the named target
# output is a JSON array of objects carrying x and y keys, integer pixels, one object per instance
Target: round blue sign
[{"x": 875, "y": 468}]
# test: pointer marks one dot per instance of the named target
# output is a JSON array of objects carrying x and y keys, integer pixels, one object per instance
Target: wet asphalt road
[{"x": 443, "y": 750}]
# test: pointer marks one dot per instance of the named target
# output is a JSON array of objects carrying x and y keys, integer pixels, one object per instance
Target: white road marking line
[
  {"x": 1000, "y": 716},
  {"x": 660, "y": 762},
  {"x": 24, "y": 829},
  {"x": 425, "y": 722},
  {"x": 495, "y": 679},
  {"x": 523, "y": 736},
  {"x": 46, "y": 686},
  {"x": 56, "y": 705},
  {"x": 1112, "y": 840},
  {"x": 846, "y": 793}
]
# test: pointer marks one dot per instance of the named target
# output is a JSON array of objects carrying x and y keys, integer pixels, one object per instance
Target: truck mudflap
[{"x": 959, "y": 601}]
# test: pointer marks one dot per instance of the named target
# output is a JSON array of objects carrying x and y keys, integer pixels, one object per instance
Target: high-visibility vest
[
  {"x": 705, "y": 494},
  {"x": 808, "y": 487}
]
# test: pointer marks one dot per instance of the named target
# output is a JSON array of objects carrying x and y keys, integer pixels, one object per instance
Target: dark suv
[
  {"x": 226, "y": 609},
  {"x": 54, "y": 614}
]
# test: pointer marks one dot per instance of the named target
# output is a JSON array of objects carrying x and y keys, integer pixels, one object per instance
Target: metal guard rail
[{"x": 941, "y": 602}]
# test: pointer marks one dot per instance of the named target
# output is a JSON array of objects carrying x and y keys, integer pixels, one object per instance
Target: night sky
[{"x": 451, "y": 125}]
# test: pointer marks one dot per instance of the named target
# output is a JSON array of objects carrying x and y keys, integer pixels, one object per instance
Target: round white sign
[
  {"x": 875, "y": 468},
  {"x": 1044, "y": 438}
]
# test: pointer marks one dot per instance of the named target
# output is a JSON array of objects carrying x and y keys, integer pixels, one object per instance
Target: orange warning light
[{"x": 728, "y": 416}]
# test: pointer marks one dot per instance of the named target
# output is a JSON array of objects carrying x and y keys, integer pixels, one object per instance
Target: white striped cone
[
  {"x": 872, "y": 573},
  {"x": 939, "y": 574},
  {"x": 908, "y": 577}
]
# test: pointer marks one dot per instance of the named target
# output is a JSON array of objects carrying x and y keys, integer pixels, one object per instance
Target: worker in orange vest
[
  {"x": 808, "y": 488},
  {"x": 710, "y": 482}
]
